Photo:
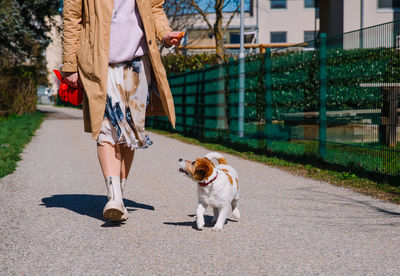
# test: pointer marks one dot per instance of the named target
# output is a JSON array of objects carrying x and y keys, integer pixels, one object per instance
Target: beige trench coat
[{"x": 86, "y": 40}]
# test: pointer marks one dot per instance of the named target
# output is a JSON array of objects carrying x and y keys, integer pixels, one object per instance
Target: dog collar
[{"x": 202, "y": 184}]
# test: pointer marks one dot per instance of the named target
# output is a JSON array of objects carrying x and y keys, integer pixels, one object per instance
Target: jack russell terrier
[{"x": 218, "y": 187}]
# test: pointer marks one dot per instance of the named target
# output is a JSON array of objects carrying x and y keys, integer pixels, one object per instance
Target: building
[
  {"x": 198, "y": 34},
  {"x": 266, "y": 22},
  {"x": 340, "y": 16},
  {"x": 345, "y": 16},
  {"x": 54, "y": 57},
  {"x": 287, "y": 21},
  {"x": 296, "y": 21}
]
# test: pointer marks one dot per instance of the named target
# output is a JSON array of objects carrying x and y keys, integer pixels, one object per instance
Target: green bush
[
  {"x": 18, "y": 90},
  {"x": 296, "y": 84},
  {"x": 178, "y": 63},
  {"x": 295, "y": 78}
]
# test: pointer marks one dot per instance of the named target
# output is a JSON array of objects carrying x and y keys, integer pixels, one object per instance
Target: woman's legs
[
  {"x": 115, "y": 162},
  {"x": 127, "y": 156},
  {"x": 110, "y": 162},
  {"x": 110, "y": 159},
  {"x": 126, "y": 162}
]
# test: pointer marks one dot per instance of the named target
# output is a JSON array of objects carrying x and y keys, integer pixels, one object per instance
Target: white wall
[
  {"x": 295, "y": 19},
  {"x": 372, "y": 15}
]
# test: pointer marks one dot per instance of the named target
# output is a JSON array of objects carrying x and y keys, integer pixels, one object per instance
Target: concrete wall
[
  {"x": 295, "y": 19},
  {"x": 372, "y": 15}
]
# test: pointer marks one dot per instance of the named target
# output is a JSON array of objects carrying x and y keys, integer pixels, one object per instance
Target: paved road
[{"x": 51, "y": 220}]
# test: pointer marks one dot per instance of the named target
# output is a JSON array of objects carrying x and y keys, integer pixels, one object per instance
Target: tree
[
  {"x": 217, "y": 29},
  {"x": 180, "y": 14},
  {"x": 24, "y": 29}
]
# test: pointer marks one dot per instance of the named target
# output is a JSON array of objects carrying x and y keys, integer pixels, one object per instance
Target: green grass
[
  {"x": 15, "y": 132},
  {"x": 380, "y": 186}
]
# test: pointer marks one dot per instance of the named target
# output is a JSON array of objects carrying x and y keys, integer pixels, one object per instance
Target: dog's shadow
[
  {"x": 89, "y": 205},
  {"x": 207, "y": 221}
]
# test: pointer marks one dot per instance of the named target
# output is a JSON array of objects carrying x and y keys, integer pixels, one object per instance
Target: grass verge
[
  {"x": 379, "y": 186},
  {"x": 15, "y": 132}
]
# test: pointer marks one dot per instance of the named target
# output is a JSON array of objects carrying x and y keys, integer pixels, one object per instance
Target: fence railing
[{"x": 337, "y": 102}]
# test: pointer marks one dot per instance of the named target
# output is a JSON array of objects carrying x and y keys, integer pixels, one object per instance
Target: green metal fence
[{"x": 337, "y": 102}]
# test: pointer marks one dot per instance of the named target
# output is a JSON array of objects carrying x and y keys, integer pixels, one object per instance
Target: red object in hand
[{"x": 68, "y": 93}]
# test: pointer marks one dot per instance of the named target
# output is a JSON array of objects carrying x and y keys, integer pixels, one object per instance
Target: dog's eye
[{"x": 193, "y": 162}]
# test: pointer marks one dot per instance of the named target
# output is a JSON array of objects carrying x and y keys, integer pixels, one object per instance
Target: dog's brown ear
[
  {"x": 204, "y": 169},
  {"x": 200, "y": 171}
]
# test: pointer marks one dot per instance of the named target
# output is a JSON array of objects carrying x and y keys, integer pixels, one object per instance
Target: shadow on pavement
[
  {"x": 341, "y": 200},
  {"x": 55, "y": 115},
  {"x": 88, "y": 205},
  {"x": 207, "y": 220}
]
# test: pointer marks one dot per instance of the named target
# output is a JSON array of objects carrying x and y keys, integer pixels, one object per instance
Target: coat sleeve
[
  {"x": 160, "y": 19},
  {"x": 72, "y": 24}
]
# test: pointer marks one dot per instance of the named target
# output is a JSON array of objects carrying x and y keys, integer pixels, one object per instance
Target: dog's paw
[
  {"x": 236, "y": 213},
  {"x": 216, "y": 229},
  {"x": 200, "y": 225}
]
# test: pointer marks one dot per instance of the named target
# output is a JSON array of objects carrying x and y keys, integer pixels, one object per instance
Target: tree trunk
[{"x": 218, "y": 31}]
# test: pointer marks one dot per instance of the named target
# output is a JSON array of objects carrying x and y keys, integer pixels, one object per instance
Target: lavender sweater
[{"x": 127, "y": 39}]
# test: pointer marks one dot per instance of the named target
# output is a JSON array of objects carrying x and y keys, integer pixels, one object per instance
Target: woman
[{"x": 110, "y": 48}]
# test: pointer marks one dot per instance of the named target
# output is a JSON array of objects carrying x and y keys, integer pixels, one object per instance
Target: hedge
[
  {"x": 295, "y": 78},
  {"x": 18, "y": 87}
]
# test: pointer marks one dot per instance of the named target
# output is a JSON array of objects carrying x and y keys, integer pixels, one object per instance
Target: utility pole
[
  {"x": 241, "y": 72},
  {"x": 362, "y": 24}
]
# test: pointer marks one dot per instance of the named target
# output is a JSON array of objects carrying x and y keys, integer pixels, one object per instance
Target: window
[
  {"x": 310, "y": 36},
  {"x": 278, "y": 4},
  {"x": 311, "y": 4},
  {"x": 278, "y": 37},
  {"x": 388, "y": 4},
  {"x": 234, "y": 38}
]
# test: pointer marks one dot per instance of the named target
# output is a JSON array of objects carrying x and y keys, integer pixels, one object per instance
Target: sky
[{"x": 229, "y": 5}]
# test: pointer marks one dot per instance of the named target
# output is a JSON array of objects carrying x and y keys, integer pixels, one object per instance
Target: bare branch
[
  {"x": 231, "y": 17},
  {"x": 203, "y": 14}
]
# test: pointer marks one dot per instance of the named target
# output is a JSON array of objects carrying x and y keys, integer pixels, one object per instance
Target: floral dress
[{"x": 128, "y": 91}]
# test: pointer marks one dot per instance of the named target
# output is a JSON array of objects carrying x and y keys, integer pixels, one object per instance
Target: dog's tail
[{"x": 217, "y": 156}]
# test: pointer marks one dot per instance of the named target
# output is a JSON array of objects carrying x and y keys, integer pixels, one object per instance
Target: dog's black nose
[{"x": 180, "y": 159}]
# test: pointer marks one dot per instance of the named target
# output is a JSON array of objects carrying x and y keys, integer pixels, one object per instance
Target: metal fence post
[
  {"x": 322, "y": 96},
  {"x": 231, "y": 88},
  {"x": 184, "y": 102},
  {"x": 268, "y": 97},
  {"x": 242, "y": 72}
]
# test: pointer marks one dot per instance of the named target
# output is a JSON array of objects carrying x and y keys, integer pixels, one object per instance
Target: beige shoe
[
  {"x": 125, "y": 215},
  {"x": 114, "y": 209}
]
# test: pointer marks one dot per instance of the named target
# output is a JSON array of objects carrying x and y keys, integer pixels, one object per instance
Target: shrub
[
  {"x": 18, "y": 90},
  {"x": 295, "y": 78},
  {"x": 178, "y": 63}
]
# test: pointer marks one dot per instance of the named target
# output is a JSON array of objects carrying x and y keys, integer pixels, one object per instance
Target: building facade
[
  {"x": 360, "y": 14},
  {"x": 296, "y": 21},
  {"x": 54, "y": 56},
  {"x": 266, "y": 22},
  {"x": 287, "y": 21}
]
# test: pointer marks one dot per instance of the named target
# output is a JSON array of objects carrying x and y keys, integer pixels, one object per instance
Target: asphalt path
[{"x": 51, "y": 217}]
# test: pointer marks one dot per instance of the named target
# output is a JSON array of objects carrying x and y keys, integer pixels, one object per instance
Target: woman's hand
[
  {"x": 71, "y": 78},
  {"x": 173, "y": 38}
]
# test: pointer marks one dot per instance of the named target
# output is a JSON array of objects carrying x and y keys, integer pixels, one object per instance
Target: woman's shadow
[{"x": 88, "y": 205}]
